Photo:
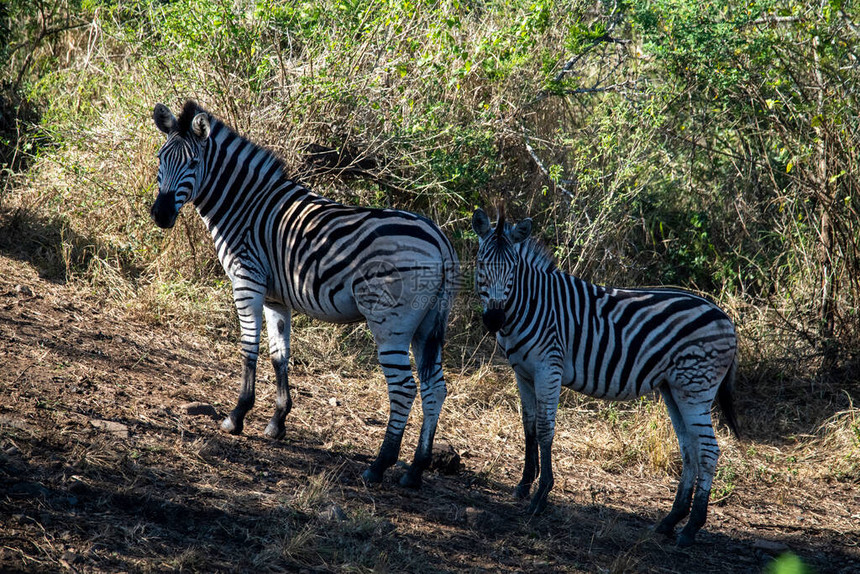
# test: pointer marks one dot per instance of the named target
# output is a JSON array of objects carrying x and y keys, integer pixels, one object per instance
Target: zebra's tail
[
  {"x": 726, "y": 400},
  {"x": 434, "y": 341},
  {"x": 438, "y": 316}
]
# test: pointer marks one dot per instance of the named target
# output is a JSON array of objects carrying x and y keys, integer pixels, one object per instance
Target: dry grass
[{"x": 177, "y": 494}]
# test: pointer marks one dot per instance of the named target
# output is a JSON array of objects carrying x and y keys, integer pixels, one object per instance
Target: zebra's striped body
[
  {"x": 618, "y": 344},
  {"x": 287, "y": 249}
]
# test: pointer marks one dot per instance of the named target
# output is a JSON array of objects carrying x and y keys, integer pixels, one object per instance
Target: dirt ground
[{"x": 102, "y": 470}]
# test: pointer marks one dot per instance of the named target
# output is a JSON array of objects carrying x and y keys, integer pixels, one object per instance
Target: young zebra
[
  {"x": 286, "y": 249},
  {"x": 618, "y": 344}
]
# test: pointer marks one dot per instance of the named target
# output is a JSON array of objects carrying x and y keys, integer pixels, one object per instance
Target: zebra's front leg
[
  {"x": 401, "y": 394},
  {"x": 529, "y": 414},
  {"x": 248, "y": 299},
  {"x": 547, "y": 389},
  {"x": 278, "y": 327}
]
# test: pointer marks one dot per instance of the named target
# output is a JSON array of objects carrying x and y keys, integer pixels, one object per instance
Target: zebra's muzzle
[
  {"x": 493, "y": 319},
  {"x": 164, "y": 211}
]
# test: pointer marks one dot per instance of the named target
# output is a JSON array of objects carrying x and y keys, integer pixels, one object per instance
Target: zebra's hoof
[
  {"x": 370, "y": 476},
  {"x": 409, "y": 481},
  {"x": 537, "y": 506},
  {"x": 229, "y": 426},
  {"x": 521, "y": 492},
  {"x": 665, "y": 528},
  {"x": 275, "y": 431},
  {"x": 685, "y": 539}
]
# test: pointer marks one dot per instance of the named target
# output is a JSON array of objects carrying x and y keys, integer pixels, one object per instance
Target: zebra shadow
[
  {"x": 52, "y": 247},
  {"x": 296, "y": 505}
]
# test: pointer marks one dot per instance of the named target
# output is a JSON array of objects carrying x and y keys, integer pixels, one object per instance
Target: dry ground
[{"x": 168, "y": 491}]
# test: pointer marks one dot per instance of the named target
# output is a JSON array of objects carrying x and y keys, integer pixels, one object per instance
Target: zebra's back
[
  {"x": 341, "y": 263},
  {"x": 619, "y": 344}
]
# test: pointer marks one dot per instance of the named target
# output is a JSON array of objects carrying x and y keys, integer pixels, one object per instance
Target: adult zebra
[
  {"x": 285, "y": 248},
  {"x": 557, "y": 330}
]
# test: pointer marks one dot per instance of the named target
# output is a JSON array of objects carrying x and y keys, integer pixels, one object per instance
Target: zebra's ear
[
  {"x": 481, "y": 223},
  {"x": 521, "y": 231},
  {"x": 200, "y": 126},
  {"x": 164, "y": 118}
]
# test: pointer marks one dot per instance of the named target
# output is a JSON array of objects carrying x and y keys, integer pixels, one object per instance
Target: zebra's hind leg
[
  {"x": 708, "y": 454},
  {"x": 278, "y": 327},
  {"x": 427, "y": 348},
  {"x": 394, "y": 360},
  {"x": 529, "y": 408},
  {"x": 684, "y": 494}
]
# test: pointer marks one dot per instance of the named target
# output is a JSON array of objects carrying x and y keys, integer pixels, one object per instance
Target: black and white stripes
[
  {"x": 285, "y": 248},
  {"x": 618, "y": 344}
]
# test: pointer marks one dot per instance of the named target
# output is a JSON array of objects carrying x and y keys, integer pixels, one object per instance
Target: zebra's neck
[
  {"x": 534, "y": 255},
  {"x": 239, "y": 173},
  {"x": 537, "y": 282}
]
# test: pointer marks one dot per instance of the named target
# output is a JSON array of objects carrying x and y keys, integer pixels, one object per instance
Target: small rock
[
  {"x": 333, "y": 402},
  {"x": 197, "y": 408},
  {"x": 334, "y": 513},
  {"x": 118, "y": 429},
  {"x": 77, "y": 486},
  {"x": 15, "y": 423},
  {"x": 24, "y": 290},
  {"x": 446, "y": 460},
  {"x": 12, "y": 450},
  {"x": 772, "y": 547}
]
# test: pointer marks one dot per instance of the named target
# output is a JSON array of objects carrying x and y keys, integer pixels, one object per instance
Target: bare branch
[{"x": 541, "y": 166}]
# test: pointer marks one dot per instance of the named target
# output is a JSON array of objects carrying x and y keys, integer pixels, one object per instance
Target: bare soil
[{"x": 102, "y": 471}]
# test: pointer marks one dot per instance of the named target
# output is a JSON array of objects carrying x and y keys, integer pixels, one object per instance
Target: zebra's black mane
[
  {"x": 536, "y": 255},
  {"x": 189, "y": 110},
  {"x": 192, "y": 108}
]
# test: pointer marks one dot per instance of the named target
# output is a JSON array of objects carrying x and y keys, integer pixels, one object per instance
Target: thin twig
[
  {"x": 541, "y": 166},
  {"x": 30, "y": 366}
]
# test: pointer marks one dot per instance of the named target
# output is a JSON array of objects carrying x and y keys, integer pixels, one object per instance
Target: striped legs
[
  {"x": 547, "y": 389},
  {"x": 689, "y": 471},
  {"x": 427, "y": 348},
  {"x": 529, "y": 413},
  {"x": 700, "y": 426},
  {"x": 248, "y": 298},
  {"x": 278, "y": 327},
  {"x": 393, "y": 352},
  {"x": 699, "y": 451},
  {"x": 394, "y": 360}
]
